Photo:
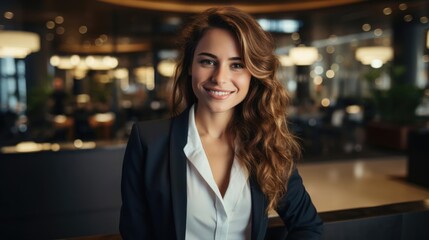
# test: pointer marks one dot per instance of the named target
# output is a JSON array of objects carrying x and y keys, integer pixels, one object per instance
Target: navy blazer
[{"x": 154, "y": 188}]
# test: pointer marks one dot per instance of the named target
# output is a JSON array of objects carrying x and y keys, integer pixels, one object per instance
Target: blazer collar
[{"x": 178, "y": 138}]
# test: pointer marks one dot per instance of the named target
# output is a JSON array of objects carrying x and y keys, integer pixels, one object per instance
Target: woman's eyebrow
[
  {"x": 215, "y": 57},
  {"x": 207, "y": 54}
]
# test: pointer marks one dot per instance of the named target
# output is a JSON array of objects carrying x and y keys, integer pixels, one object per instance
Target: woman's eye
[
  {"x": 207, "y": 62},
  {"x": 237, "y": 66}
]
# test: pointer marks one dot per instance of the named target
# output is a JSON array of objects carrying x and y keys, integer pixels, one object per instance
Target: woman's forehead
[{"x": 218, "y": 41}]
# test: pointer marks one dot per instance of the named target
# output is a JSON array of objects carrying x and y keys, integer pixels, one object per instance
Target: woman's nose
[{"x": 220, "y": 75}]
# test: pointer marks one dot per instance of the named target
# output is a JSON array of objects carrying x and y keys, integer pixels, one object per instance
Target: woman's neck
[{"x": 212, "y": 124}]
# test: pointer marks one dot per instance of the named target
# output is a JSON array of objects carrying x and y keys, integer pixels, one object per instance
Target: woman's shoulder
[
  {"x": 151, "y": 124},
  {"x": 152, "y": 128}
]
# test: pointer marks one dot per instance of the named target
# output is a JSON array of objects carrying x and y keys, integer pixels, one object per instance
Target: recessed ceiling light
[
  {"x": 83, "y": 29},
  {"x": 8, "y": 15},
  {"x": 408, "y": 18},
  {"x": 59, "y": 19},
  {"x": 378, "y": 32},
  {"x": 50, "y": 24},
  {"x": 387, "y": 11},
  {"x": 366, "y": 27},
  {"x": 403, "y": 6}
]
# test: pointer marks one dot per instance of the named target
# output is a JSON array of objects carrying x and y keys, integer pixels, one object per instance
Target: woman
[{"x": 227, "y": 157}]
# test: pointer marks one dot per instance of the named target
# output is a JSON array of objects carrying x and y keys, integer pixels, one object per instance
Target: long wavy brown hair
[{"x": 259, "y": 125}]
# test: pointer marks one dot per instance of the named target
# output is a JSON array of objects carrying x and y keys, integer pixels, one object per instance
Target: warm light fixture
[
  {"x": 146, "y": 76},
  {"x": 285, "y": 61},
  {"x": 18, "y": 44},
  {"x": 375, "y": 56},
  {"x": 104, "y": 117},
  {"x": 101, "y": 62},
  {"x": 281, "y": 25},
  {"x": 166, "y": 67},
  {"x": 84, "y": 63},
  {"x": 303, "y": 56}
]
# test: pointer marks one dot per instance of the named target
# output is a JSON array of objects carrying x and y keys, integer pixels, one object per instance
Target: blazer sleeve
[
  {"x": 298, "y": 212},
  {"x": 133, "y": 223}
]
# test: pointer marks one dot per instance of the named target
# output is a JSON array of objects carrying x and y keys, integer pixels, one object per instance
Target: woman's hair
[{"x": 259, "y": 126}]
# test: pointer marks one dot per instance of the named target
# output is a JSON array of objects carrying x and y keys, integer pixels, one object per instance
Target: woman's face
[{"x": 220, "y": 80}]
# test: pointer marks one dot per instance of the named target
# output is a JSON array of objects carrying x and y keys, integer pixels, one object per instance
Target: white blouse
[{"x": 209, "y": 215}]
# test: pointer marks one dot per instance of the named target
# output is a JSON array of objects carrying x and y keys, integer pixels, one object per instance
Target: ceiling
[{"x": 126, "y": 26}]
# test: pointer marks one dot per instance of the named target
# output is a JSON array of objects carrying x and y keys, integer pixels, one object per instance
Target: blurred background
[
  {"x": 75, "y": 75},
  {"x": 86, "y": 70}
]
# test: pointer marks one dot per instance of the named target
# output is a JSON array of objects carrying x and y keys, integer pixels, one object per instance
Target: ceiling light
[
  {"x": 403, "y": 6},
  {"x": 366, "y": 27},
  {"x": 282, "y": 25},
  {"x": 50, "y": 24},
  {"x": 330, "y": 73},
  {"x": 387, "y": 11},
  {"x": 378, "y": 32},
  {"x": 90, "y": 62},
  {"x": 408, "y": 18},
  {"x": 59, "y": 19},
  {"x": 101, "y": 62},
  {"x": 318, "y": 80},
  {"x": 295, "y": 36},
  {"x": 18, "y": 44},
  {"x": 8, "y": 15},
  {"x": 146, "y": 76},
  {"x": 325, "y": 102},
  {"x": 285, "y": 61},
  {"x": 318, "y": 70},
  {"x": 303, "y": 56},
  {"x": 83, "y": 29},
  {"x": 375, "y": 56},
  {"x": 166, "y": 67}
]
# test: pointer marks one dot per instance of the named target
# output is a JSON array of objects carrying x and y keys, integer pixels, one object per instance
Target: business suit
[{"x": 154, "y": 188}]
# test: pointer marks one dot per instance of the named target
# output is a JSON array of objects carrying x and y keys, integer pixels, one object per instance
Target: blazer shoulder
[{"x": 153, "y": 129}]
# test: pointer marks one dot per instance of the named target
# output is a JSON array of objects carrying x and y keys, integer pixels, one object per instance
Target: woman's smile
[{"x": 219, "y": 94}]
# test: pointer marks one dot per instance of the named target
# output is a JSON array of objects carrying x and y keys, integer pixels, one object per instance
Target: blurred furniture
[
  {"x": 387, "y": 135},
  {"x": 63, "y": 125},
  {"x": 60, "y": 194},
  {"x": 418, "y": 157},
  {"x": 400, "y": 221},
  {"x": 102, "y": 124}
]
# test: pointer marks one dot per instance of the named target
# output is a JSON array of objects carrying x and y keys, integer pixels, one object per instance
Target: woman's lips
[{"x": 218, "y": 94}]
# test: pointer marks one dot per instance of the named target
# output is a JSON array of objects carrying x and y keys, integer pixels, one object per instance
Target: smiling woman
[{"x": 227, "y": 157}]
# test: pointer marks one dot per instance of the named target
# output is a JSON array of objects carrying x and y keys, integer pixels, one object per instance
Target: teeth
[{"x": 219, "y": 93}]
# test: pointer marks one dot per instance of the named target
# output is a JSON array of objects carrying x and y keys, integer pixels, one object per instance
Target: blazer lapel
[
  {"x": 259, "y": 215},
  {"x": 178, "y": 138}
]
